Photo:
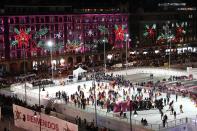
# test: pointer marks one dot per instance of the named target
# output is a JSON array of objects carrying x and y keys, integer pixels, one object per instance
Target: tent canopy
[{"x": 78, "y": 71}]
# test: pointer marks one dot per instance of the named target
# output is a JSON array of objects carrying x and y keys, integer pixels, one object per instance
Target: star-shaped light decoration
[
  {"x": 90, "y": 33},
  {"x": 80, "y": 37},
  {"x": 58, "y": 35},
  {"x": 120, "y": 32},
  {"x": 150, "y": 31},
  {"x": 180, "y": 30},
  {"x": 22, "y": 37},
  {"x": 26, "y": 38},
  {"x": 70, "y": 32}
]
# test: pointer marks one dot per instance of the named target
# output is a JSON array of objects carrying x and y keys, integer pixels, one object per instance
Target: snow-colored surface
[{"x": 153, "y": 116}]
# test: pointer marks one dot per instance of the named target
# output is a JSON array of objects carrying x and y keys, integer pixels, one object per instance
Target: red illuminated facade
[
  {"x": 67, "y": 29},
  {"x": 73, "y": 30}
]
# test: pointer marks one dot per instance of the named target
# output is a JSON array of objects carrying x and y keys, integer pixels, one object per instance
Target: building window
[
  {"x": 60, "y": 19},
  {"x": 190, "y": 16},
  {"x": 42, "y": 20},
  {"x": 11, "y": 20},
  {"x": 60, "y": 27},
  {"x": 32, "y": 20},
  {"x": 52, "y": 27},
  {"x": 51, "y": 19}
]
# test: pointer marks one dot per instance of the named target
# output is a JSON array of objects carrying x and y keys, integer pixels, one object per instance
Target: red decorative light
[
  {"x": 119, "y": 33},
  {"x": 180, "y": 31},
  {"x": 22, "y": 38},
  {"x": 161, "y": 40},
  {"x": 150, "y": 33}
]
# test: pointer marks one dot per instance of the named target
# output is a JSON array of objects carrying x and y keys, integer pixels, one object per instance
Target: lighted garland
[
  {"x": 41, "y": 32},
  {"x": 161, "y": 38},
  {"x": 42, "y": 44},
  {"x": 167, "y": 38},
  {"x": 174, "y": 38},
  {"x": 75, "y": 46},
  {"x": 103, "y": 29}
]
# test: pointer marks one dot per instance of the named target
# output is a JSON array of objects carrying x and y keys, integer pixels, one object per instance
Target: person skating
[
  {"x": 165, "y": 118},
  {"x": 176, "y": 97},
  {"x": 181, "y": 108},
  {"x": 172, "y": 110},
  {"x": 174, "y": 114}
]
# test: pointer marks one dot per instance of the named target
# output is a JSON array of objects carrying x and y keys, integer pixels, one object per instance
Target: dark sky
[{"x": 134, "y": 4}]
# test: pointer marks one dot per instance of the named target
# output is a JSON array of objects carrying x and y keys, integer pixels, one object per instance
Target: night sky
[{"x": 146, "y": 5}]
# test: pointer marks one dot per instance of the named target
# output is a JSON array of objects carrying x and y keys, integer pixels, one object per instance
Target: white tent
[{"x": 78, "y": 71}]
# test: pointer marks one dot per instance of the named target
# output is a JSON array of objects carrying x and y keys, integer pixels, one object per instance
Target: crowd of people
[
  {"x": 114, "y": 93},
  {"x": 108, "y": 89},
  {"x": 89, "y": 126}
]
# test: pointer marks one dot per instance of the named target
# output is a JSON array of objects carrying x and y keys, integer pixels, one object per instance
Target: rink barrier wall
[
  {"x": 110, "y": 120},
  {"x": 102, "y": 120},
  {"x": 149, "y": 70}
]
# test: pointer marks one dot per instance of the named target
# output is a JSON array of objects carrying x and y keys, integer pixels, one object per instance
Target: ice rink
[{"x": 153, "y": 116}]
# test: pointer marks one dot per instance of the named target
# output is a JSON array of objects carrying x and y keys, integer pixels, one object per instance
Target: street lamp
[
  {"x": 50, "y": 45},
  {"x": 35, "y": 115},
  {"x": 95, "y": 103},
  {"x": 127, "y": 42},
  {"x": 93, "y": 47},
  {"x": 24, "y": 53},
  {"x": 169, "y": 37},
  {"x": 130, "y": 114}
]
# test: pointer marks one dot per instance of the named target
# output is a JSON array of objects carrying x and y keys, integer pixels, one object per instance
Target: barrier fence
[
  {"x": 169, "y": 124},
  {"x": 34, "y": 97}
]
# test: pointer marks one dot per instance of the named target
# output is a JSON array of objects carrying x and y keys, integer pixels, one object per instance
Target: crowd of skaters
[{"x": 107, "y": 95}]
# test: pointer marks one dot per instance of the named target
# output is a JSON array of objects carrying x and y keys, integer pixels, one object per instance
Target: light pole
[
  {"x": 104, "y": 55},
  {"x": 93, "y": 83},
  {"x": 169, "y": 54},
  {"x": 168, "y": 36},
  {"x": 35, "y": 115},
  {"x": 39, "y": 107},
  {"x": 50, "y": 45},
  {"x": 130, "y": 115},
  {"x": 127, "y": 42},
  {"x": 95, "y": 103},
  {"x": 25, "y": 73}
]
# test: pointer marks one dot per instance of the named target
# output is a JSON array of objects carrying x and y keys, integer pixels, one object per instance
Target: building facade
[{"x": 72, "y": 35}]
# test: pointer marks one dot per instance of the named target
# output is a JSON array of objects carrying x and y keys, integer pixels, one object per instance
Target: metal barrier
[{"x": 169, "y": 124}]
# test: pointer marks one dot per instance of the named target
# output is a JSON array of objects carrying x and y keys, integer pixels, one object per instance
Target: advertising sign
[{"x": 26, "y": 118}]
